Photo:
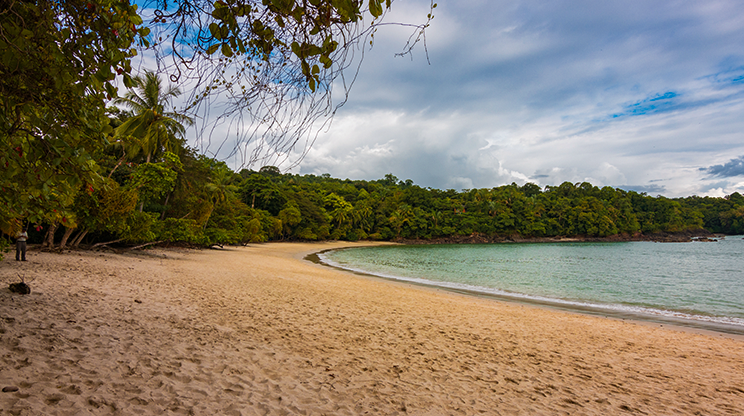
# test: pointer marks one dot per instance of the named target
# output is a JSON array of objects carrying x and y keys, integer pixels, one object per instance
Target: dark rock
[{"x": 21, "y": 288}]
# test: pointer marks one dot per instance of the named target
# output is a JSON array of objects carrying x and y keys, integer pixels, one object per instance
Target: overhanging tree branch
[{"x": 262, "y": 74}]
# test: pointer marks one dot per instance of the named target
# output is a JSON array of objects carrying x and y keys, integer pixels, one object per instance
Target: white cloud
[{"x": 548, "y": 92}]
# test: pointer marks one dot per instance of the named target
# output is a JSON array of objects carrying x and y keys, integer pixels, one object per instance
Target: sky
[{"x": 638, "y": 95}]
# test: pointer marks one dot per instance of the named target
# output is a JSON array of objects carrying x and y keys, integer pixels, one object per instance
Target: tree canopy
[
  {"x": 268, "y": 65},
  {"x": 262, "y": 73},
  {"x": 58, "y": 62},
  {"x": 154, "y": 127}
]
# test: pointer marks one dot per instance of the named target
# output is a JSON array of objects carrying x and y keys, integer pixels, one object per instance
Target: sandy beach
[{"x": 259, "y": 331}]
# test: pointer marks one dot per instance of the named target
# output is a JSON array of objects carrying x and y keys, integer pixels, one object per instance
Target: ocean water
[{"x": 697, "y": 284}]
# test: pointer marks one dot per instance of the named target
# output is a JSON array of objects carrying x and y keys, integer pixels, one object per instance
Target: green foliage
[
  {"x": 289, "y": 217},
  {"x": 273, "y": 206},
  {"x": 58, "y": 61},
  {"x": 67, "y": 159},
  {"x": 180, "y": 230},
  {"x": 270, "y": 24},
  {"x": 259, "y": 191},
  {"x": 153, "y": 180},
  {"x": 196, "y": 200},
  {"x": 141, "y": 227},
  {"x": 107, "y": 208}
]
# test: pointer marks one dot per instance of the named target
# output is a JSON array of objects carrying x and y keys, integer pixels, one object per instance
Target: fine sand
[{"x": 257, "y": 330}]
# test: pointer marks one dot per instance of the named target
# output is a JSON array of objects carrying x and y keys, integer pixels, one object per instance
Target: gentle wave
[{"x": 568, "y": 304}]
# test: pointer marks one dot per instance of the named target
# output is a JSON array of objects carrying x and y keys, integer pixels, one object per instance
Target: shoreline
[
  {"x": 679, "y": 323},
  {"x": 258, "y": 330}
]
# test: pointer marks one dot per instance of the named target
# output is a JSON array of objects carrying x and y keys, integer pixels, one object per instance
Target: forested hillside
[{"x": 181, "y": 197}]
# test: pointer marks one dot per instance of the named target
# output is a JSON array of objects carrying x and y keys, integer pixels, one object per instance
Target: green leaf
[
  {"x": 226, "y": 50},
  {"x": 127, "y": 80},
  {"x": 111, "y": 90},
  {"x": 326, "y": 61},
  {"x": 305, "y": 68},
  {"x": 311, "y": 83},
  {"x": 212, "y": 49},
  {"x": 375, "y": 8},
  {"x": 348, "y": 10},
  {"x": 313, "y": 50},
  {"x": 297, "y": 13},
  {"x": 214, "y": 29},
  {"x": 220, "y": 10},
  {"x": 329, "y": 45},
  {"x": 243, "y": 10},
  {"x": 284, "y": 6}
]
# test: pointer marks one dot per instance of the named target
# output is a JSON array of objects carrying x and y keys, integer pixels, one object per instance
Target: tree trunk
[
  {"x": 49, "y": 240},
  {"x": 75, "y": 237},
  {"x": 165, "y": 206},
  {"x": 79, "y": 238},
  {"x": 68, "y": 233},
  {"x": 44, "y": 241},
  {"x": 104, "y": 244},
  {"x": 146, "y": 244},
  {"x": 118, "y": 164},
  {"x": 204, "y": 227},
  {"x": 142, "y": 203}
]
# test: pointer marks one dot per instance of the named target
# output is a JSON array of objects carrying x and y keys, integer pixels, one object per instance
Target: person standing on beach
[{"x": 21, "y": 245}]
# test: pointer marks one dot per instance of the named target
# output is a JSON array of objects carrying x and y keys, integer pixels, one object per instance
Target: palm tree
[
  {"x": 220, "y": 187},
  {"x": 362, "y": 215},
  {"x": 403, "y": 215},
  {"x": 152, "y": 127},
  {"x": 340, "y": 211}
]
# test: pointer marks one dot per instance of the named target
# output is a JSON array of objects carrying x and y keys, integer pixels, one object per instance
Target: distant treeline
[{"x": 192, "y": 199}]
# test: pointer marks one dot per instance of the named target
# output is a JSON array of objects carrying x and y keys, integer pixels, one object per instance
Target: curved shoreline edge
[{"x": 697, "y": 326}]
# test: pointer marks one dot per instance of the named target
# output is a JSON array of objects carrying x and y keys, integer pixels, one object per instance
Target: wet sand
[{"x": 258, "y": 330}]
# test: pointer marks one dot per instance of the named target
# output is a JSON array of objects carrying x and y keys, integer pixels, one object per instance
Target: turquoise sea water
[{"x": 698, "y": 283}]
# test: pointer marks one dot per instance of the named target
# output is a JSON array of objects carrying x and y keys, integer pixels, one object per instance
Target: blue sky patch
[
  {"x": 666, "y": 96},
  {"x": 728, "y": 77},
  {"x": 656, "y": 104}
]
